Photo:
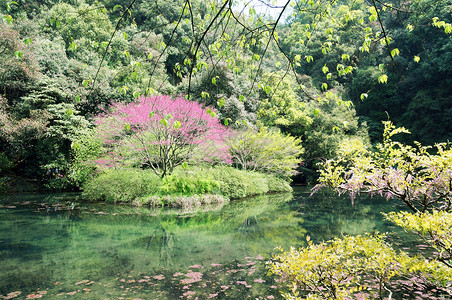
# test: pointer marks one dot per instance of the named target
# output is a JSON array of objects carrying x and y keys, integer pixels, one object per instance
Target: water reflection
[{"x": 125, "y": 251}]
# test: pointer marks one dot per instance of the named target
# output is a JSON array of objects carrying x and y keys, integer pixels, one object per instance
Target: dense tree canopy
[{"x": 303, "y": 69}]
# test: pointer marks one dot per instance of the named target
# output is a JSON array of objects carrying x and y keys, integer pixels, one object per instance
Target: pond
[{"x": 57, "y": 247}]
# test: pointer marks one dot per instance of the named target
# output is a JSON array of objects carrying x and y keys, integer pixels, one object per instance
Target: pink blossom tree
[{"x": 161, "y": 133}]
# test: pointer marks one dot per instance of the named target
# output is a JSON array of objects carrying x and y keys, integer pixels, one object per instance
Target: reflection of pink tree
[{"x": 162, "y": 133}]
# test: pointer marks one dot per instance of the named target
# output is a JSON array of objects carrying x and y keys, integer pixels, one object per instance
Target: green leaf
[
  {"x": 136, "y": 94},
  {"x": 77, "y": 98},
  {"x": 123, "y": 89},
  {"x": 309, "y": 58},
  {"x": 214, "y": 80},
  {"x": 72, "y": 46},
  {"x": 85, "y": 82},
  {"x": 202, "y": 64},
  {"x": 8, "y": 19},
  {"x": 211, "y": 112},
  {"x": 68, "y": 112},
  {"x": 127, "y": 127},
  {"x": 325, "y": 69},
  {"x": 324, "y": 86},
  {"x": 383, "y": 78},
  {"x": 164, "y": 122},
  {"x": 241, "y": 98},
  {"x": 395, "y": 52},
  {"x": 9, "y": 5},
  {"x": 124, "y": 34},
  {"x": 18, "y": 54},
  {"x": 117, "y": 7},
  {"x": 177, "y": 124},
  {"x": 363, "y": 96},
  {"x": 28, "y": 41},
  {"x": 221, "y": 102},
  {"x": 151, "y": 114}
]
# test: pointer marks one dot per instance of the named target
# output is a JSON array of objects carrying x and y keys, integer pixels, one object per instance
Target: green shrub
[
  {"x": 5, "y": 184},
  {"x": 195, "y": 183},
  {"x": 189, "y": 183},
  {"x": 180, "y": 200},
  {"x": 267, "y": 151},
  {"x": 5, "y": 163},
  {"x": 363, "y": 264},
  {"x": 236, "y": 183},
  {"x": 276, "y": 184},
  {"x": 124, "y": 185}
]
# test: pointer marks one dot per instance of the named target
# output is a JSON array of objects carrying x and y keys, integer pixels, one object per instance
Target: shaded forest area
[{"x": 326, "y": 72}]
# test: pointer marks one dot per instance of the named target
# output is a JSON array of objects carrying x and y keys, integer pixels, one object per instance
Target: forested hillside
[{"x": 326, "y": 72}]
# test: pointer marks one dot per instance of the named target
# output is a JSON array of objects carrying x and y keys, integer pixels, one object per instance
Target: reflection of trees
[
  {"x": 277, "y": 228},
  {"x": 250, "y": 224},
  {"x": 164, "y": 241},
  {"x": 328, "y": 216}
]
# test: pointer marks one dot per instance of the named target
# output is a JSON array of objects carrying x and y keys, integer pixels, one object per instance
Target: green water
[{"x": 58, "y": 247}]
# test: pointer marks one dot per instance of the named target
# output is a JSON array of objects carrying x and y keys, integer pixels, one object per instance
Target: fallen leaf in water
[
  {"x": 12, "y": 295},
  {"x": 71, "y": 293},
  {"x": 196, "y": 267}
]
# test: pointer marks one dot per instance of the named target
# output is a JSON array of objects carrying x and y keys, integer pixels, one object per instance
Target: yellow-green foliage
[
  {"x": 413, "y": 175},
  {"x": 341, "y": 267},
  {"x": 234, "y": 183},
  {"x": 281, "y": 107},
  {"x": 418, "y": 176},
  {"x": 435, "y": 228},
  {"x": 189, "y": 184},
  {"x": 266, "y": 151}
]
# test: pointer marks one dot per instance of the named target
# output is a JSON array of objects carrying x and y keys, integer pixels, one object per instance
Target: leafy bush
[
  {"x": 85, "y": 149},
  {"x": 5, "y": 184},
  {"x": 180, "y": 200},
  {"x": 417, "y": 177},
  {"x": 239, "y": 183},
  {"x": 145, "y": 187},
  {"x": 123, "y": 185},
  {"x": 341, "y": 267},
  {"x": 5, "y": 163},
  {"x": 189, "y": 184},
  {"x": 266, "y": 151}
]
